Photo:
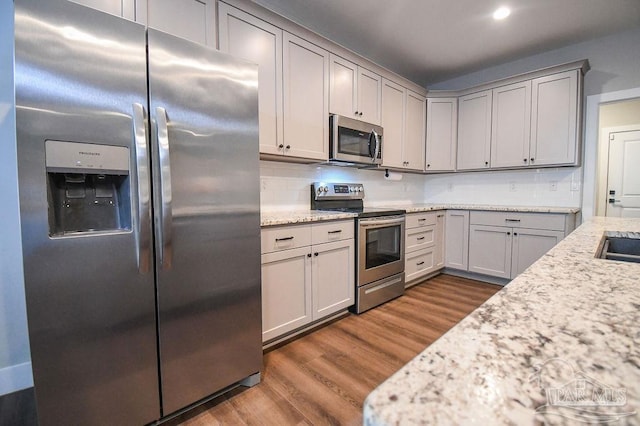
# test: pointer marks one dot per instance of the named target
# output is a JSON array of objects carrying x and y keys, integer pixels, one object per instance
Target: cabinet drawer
[
  {"x": 332, "y": 231},
  {"x": 285, "y": 238},
  {"x": 550, "y": 221},
  {"x": 418, "y": 263},
  {"x": 415, "y": 220},
  {"x": 419, "y": 238}
]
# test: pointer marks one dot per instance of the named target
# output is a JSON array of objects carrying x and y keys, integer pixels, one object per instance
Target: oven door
[{"x": 380, "y": 248}]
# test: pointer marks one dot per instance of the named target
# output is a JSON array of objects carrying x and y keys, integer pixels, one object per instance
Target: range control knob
[
  {"x": 360, "y": 189},
  {"x": 325, "y": 189}
]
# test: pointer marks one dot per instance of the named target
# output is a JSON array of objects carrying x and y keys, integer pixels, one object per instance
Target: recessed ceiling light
[{"x": 501, "y": 13}]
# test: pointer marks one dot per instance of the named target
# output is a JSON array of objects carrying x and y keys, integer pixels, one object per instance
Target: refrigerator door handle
[
  {"x": 143, "y": 228},
  {"x": 162, "y": 131}
]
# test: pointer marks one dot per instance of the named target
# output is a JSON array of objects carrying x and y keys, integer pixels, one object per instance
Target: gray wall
[
  {"x": 615, "y": 65},
  {"x": 15, "y": 366}
]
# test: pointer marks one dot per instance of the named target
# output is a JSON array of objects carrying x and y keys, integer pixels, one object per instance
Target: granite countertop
[
  {"x": 300, "y": 216},
  {"x": 415, "y": 208},
  {"x": 272, "y": 218},
  {"x": 565, "y": 330}
]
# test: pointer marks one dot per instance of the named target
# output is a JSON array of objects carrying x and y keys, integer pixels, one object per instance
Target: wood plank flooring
[{"x": 323, "y": 377}]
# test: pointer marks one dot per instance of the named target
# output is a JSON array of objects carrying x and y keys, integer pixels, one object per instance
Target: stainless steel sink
[{"x": 622, "y": 246}]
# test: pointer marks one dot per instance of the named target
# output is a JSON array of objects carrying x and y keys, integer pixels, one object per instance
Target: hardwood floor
[{"x": 323, "y": 377}]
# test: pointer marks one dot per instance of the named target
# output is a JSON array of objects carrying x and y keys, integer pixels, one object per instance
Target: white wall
[
  {"x": 560, "y": 187},
  {"x": 286, "y": 186},
  {"x": 15, "y": 366}
]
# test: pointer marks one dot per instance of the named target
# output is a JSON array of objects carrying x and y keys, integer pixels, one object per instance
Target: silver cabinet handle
[
  {"x": 143, "y": 218},
  {"x": 377, "y": 149},
  {"x": 165, "y": 188}
]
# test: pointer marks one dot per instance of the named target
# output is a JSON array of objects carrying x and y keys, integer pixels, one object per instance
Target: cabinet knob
[
  {"x": 357, "y": 113},
  {"x": 316, "y": 254},
  {"x": 428, "y": 165},
  {"x": 360, "y": 114},
  {"x": 524, "y": 159},
  {"x": 508, "y": 233},
  {"x": 486, "y": 163},
  {"x": 532, "y": 160},
  {"x": 308, "y": 254},
  {"x": 515, "y": 234},
  {"x": 288, "y": 147},
  {"x": 280, "y": 146}
]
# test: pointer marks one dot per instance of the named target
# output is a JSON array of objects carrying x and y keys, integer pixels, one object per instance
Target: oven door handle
[{"x": 366, "y": 223}]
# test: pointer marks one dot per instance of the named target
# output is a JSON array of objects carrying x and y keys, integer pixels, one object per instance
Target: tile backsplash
[{"x": 285, "y": 186}]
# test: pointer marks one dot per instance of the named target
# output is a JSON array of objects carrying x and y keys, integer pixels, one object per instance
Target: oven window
[
  {"x": 383, "y": 246},
  {"x": 353, "y": 142}
]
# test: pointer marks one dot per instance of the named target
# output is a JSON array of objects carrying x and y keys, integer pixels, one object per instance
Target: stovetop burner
[{"x": 346, "y": 197}]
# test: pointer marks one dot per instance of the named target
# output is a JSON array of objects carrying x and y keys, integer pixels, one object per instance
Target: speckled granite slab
[
  {"x": 272, "y": 218},
  {"x": 303, "y": 216},
  {"x": 415, "y": 208},
  {"x": 560, "y": 344}
]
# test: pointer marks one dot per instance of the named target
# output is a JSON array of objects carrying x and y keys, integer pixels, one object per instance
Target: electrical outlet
[
  {"x": 512, "y": 187},
  {"x": 553, "y": 185}
]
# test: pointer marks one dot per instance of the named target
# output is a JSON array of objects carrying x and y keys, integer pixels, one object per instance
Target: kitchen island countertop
[{"x": 560, "y": 342}]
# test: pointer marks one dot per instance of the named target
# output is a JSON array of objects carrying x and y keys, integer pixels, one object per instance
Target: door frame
[
  {"x": 603, "y": 164},
  {"x": 590, "y": 156}
]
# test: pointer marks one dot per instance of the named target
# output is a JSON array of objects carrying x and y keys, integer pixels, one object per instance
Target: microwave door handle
[
  {"x": 165, "y": 245},
  {"x": 143, "y": 220},
  {"x": 377, "y": 150}
]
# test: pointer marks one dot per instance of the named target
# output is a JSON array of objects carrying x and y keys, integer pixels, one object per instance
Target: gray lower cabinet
[
  {"x": 424, "y": 244},
  {"x": 504, "y": 244},
  {"x": 457, "y": 239},
  {"x": 307, "y": 274}
]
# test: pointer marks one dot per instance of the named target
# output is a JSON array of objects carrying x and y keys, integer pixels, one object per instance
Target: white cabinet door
[
  {"x": 529, "y": 245},
  {"x": 442, "y": 131},
  {"x": 554, "y": 118},
  {"x": 490, "y": 250},
  {"x": 369, "y": 96},
  {"x": 306, "y": 99},
  {"x": 123, "y": 8},
  {"x": 250, "y": 38},
  {"x": 457, "y": 239},
  {"x": 343, "y": 98},
  {"x": 438, "y": 251},
  {"x": 333, "y": 277},
  {"x": 286, "y": 291},
  {"x": 193, "y": 20},
  {"x": 393, "y": 104},
  {"x": 474, "y": 131},
  {"x": 414, "y": 131},
  {"x": 510, "y": 129}
]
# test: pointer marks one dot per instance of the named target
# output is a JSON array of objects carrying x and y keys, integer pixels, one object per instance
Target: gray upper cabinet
[
  {"x": 123, "y": 8},
  {"x": 193, "y": 20},
  {"x": 474, "y": 131},
  {"x": 355, "y": 92},
  {"x": 510, "y": 125},
  {"x": 255, "y": 40},
  {"x": 555, "y": 115},
  {"x": 442, "y": 131}
]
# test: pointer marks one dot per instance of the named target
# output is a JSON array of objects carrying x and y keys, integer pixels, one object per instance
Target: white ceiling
[{"x": 429, "y": 41}]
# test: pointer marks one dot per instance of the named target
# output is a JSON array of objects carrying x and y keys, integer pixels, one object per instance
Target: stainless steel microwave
[{"x": 354, "y": 141}]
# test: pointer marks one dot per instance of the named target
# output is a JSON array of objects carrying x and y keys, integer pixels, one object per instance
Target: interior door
[
  {"x": 623, "y": 178},
  {"x": 204, "y": 114}
]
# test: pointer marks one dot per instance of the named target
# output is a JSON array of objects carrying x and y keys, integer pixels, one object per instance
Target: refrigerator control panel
[{"x": 86, "y": 157}]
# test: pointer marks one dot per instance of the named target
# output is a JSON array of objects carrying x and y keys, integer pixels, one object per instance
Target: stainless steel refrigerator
[{"x": 139, "y": 194}]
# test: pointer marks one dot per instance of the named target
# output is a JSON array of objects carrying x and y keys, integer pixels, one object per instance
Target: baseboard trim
[
  {"x": 478, "y": 277},
  {"x": 15, "y": 378}
]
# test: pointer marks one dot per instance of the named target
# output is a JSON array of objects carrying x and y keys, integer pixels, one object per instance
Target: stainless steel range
[{"x": 379, "y": 248}]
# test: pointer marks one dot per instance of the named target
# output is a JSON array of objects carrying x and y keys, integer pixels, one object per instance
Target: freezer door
[
  {"x": 204, "y": 121},
  {"x": 80, "y": 78}
]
